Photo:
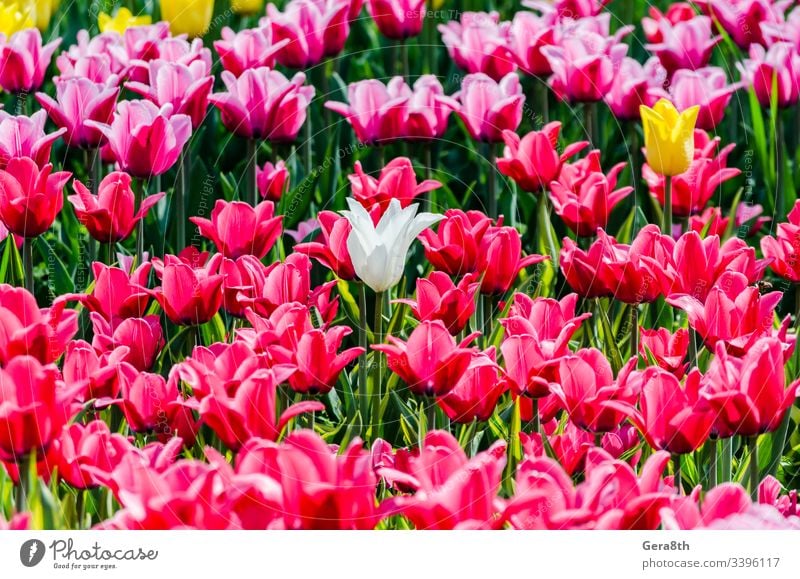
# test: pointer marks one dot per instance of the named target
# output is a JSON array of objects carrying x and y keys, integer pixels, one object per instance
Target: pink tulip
[
  {"x": 143, "y": 42},
  {"x": 397, "y": 19},
  {"x": 584, "y": 66},
  {"x": 116, "y": 293},
  {"x": 315, "y": 29},
  {"x": 110, "y": 216},
  {"x": 30, "y": 198},
  {"x": 141, "y": 337},
  {"x": 487, "y": 107},
  {"x": 527, "y": 35},
  {"x": 25, "y": 60},
  {"x": 438, "y": 298},
  {"x": 397, "y": 180},
  {"x": 454, "y": 248},
  {"x": 247, "y": 49},
  {"x": 709, "y": 222},
  {"x": 279, "y": 283},
  {"x": 146, "y": 140},
  {"x": 331, "y": 251},
  {"x": 742, "y": 19},
  {"x": 783, "y": 249},
  {"x": 95, "y": 372},
  {"x": 769, "y": 493},
  {"x": 587, "y": 271},
  {"x": 748, "y": 395},
  {"x": 189, "y": 295},
  {"x": 263, "y": 104},
  {"x": 23, "y": 136},
  {"x": 668, "y": 350},
  {"x": 476, "y": 393},
  {"x": 479, "y": 44},
  {"x": 583, "y": 195},
  {"x": 778, "y": 68},
  {"x": 18, "y": 522},
  {"x": 451, "y": 490},
  {"x": 430, "y": 362},
  {"x": 500, "y": 259},
  {"x": 79, "y": 100},
  {"x": 706, "y": 87},
  {"x": 534, "y": 160},
  {"x": 685, "y": 44},
  {"x": 425, "y": 114},
  {"x": 638, "y": 267},
  {"x": 272, "y": 180},
  {"x": 677, "y": 12},
  {"x": 568, "y": 8},
  {"x": 692, "y": 190},
  {"x": 237, "y": 228},
  {"x": 81, "y": 449},
  {"x": 100, "y": 58},
  {"x": 632, "y": 87},
  {"x": 734, "y": 313},
  {"x": 569, "y": 447},
  {"x": 186, "y": 88},
  {"x": 35, "y": 405},
  {"x": 786, "y": 30}
]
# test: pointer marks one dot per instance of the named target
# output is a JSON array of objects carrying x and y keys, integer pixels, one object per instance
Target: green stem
[
  {"x": 97, "y": 171},
  {"x": 308, "y": 146},
  {"x": 755, "y": 476},
  {"x": 546, "y": 228},
  {"x": 139, "y": 194},
  {"x": 542, "y": 98},
  {"x": 431, "y": 414},
  {"x": 25, "y": 466},
  {"x": 714, "y": 461},
  {"x": 536, "y": 425},
  {"x": 692, "y": 346},
  {"x": 377, "y": 332},
  {"x": 363, "y": 390},
  {"x": 492, "y": 182},
  {"x": 667, "y": 222},
  {"x": 404, "y": 59},
  {"x": 634, "y": 330},
  {"x": 252, "y": 169},
  {"x": 726, "y": 460},
  {"x": 27, "y": 262},
  {"x": 780, "y": 205},
  {"x": 676, "y": 464},
  {"x": 592, "y": 124},
  {"x": 431, "y": 197},
  {"x": 181, "y": 194}
]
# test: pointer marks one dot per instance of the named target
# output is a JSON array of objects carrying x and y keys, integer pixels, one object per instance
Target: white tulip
[{"x": 379, "y": 253}]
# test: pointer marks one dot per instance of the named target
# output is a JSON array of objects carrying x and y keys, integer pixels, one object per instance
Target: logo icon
[{"x": 32, "y": 552}]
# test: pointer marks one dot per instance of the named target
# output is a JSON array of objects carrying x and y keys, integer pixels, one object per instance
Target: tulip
[
  {"x": 583, "y": 196},
  {"x": 775, "y": 69},
  {"x": 786, "y": 30},
  {"x": 238, "y": 229},
  {"x": 110, "y": 216},
  {"x": 315, "y": 30},
  {"x": 677, "y": 12},
  {"x": 189, "y": 295},
  {"x": 530, "y": 365},
  {"x": 430, "y": 362},
  {"x": 117, "y": 294},
  {"x": 534, "y": 161},
  {"x": 479, "y": 44},
  {"x": 425, "y": 114},
  {"x": 438, "y": 298},
  {"x": 149, "y": 402},
  {"x": 82, "y": 449},
  {"x": 25, "y": 61},
  {"x": 488, "y": 107},
  {"x": 583, "y": 66},
  {"x": 30, "y": 198},
  {"x": 192, "y": 17},
  {"x": 264, "y": 104},
  {"x": 748, "y": 395},
  {"x": 23, "y": 136},
  {"x": 79, "y": 100},
  {"x": 136, "y": 126},
  {"x": 247, "y": 6},
  {"x": 35, "y": 406},
  {"x": 454, "y": 248},
  {"x": 586, "y": 385},
  {"x": 280, "y": 283},
  {"x": 706, "y": 87},
  {"x": 669, "y": 137},
  {"x": 709, "y": 222},
  {"x": 638, "y": 267},
  {"x": 379, "y": 252},
  {"x": 694, "y": 188},
  {"x": 332, "y": 251},
  {"x": 221, "y": 367},
  {"x": 141, "y": 337},
  {"x": 185, "y": 87},
  {"x": 527, "y": 35},
  {"x": 20, "y": 521},
  {"x": 397, "y": 19},
  {"x": 12, "y": 20},
  {"x": 397, "y": 180},
  {"x": 633, "y": 87},
  {"x": 452, "y": 491},
  {"x": 96, "y": 373},
  {"x": 476, "y": 393},
  {"x": 783, "y": 250},
  {"x": 734, "y": 313},
  {"x": 246, "y": 49},
  {"x": 121, "y": 21},
  {"x": 769, "y": 493},
  {"x": 742, "y": 19},
  {"x": 668, "y": 350},
  {"x": 272, "y": 181},
  {"x": 586, "y": 271},
  {"x": 686, "y": 44},
  {"x": 568, "y": 8},
  {"x": 500, "y": 259}
]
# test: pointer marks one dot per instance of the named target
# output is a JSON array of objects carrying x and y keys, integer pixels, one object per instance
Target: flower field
[{"x": 399, "y": 264}]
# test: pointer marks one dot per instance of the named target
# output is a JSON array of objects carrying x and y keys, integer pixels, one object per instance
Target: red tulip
[
  {"x": 534, "y": 161},
  {"x": 586, "y": 271},
  {"x": 668, "y": 350},
  {"x": 742, "y": 19},
  {"x": 397, "y": 19},
  {"x": 237, "y": 228},
  {"x": 280, "y": 283},
  {"x": 110, "y": 216},
  {"x": 476, "y": 393},
  {"x": 332, "y": 250},
  {"x": 438, "y": 298},
  {"x": 430, "y": 362},
  {"x": 116, "y": 293},
  {"x": 34, "y": 406},
  {"x": 397, "y": 180},
  {"x": 638, "y": 266},
  {"x": 141, "y": 337},
  {"x": 709, "y": 222},
  {"x": 30, "y": 197},
  {"x": 500, "y": 259},
  {"x": 569, "y": 447},
  {"x": 454, "y": 248},
  {"x": 96, "y": 373},
  {"x": 80, "y": 449},
  {"x": 18, "y": 522},
  {"x": 189, "y": 295},
  {"x": 220, "y": 367},
  {"x": 451, "y": 491},
  {"x": 79, "y": 100}
]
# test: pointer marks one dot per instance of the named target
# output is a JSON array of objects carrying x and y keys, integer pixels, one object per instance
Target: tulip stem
[
  {"x": 727, "y": 459},
  {"x": 404, "y": 60},
  {"x": 180, "y": 197},
  {"x": 542, "y": 96},
  {"x": 27, "y": 262},
  {"x": 592, "y": 125},
  {"x": 492, "y": 182},
  {"x": 377, "y": 332},
  {"x": 667, "y": 221},
  {"x": 432, "y": 415},
  {"x": 692, "y": 346},
  {"x": 362, "y": 341},
  {"x": 536, "y": 424},
  {"x": 252, "y": 168},
  {"x": 714, "y": 461},
  {"x": 634, "y": 330},
  {"x": 138, "y": 192},
  {"x": 308, "y": 146},
  {"x": 428, "y": 149},
  {"x": 676, "y": 464},
  {"x": 779, "y": 176},
  {"x": 755, "y": 475},
  {"x": 25, "y": 466}
]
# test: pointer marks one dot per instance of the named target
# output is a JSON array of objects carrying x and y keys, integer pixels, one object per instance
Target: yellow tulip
[
  {"x": 121, "y": 21},
  {"x": 192, "y": 17},
  {"x": 13, "y": 19},
  {"x": 247, "y": 6},
  {"x": 668, "y": 137}
]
